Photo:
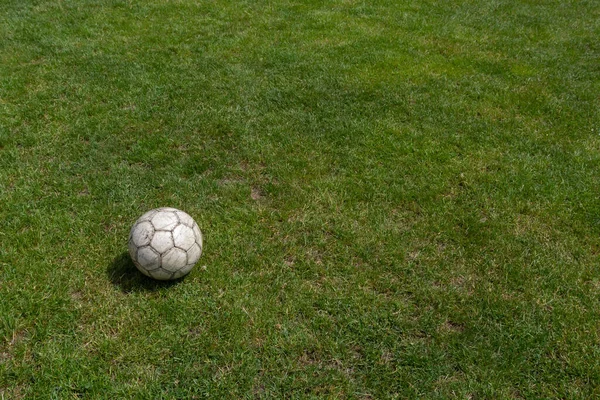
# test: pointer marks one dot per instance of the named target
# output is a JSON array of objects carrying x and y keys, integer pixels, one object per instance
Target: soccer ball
[{"x": 165, "y": 243}]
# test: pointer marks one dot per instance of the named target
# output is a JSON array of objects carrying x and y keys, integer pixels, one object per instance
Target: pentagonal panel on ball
[
  {"x": 141, "y": 233},
  {"x": 162, "y": 241},
  {"x": 148, "y": 258},
  {"x": 174, "y": 259},
  {"x": 165, "y": 220},
  {"x": 183, "y": 237}
]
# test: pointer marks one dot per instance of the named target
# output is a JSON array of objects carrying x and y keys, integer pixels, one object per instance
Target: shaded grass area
[{"x": 399, "y": 199}]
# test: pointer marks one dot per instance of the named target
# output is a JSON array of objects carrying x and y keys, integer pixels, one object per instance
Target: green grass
[{"x": 400, "y": 199}]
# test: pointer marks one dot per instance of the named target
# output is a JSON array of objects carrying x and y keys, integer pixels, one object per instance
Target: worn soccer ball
[{"x": 165, "y": 243}]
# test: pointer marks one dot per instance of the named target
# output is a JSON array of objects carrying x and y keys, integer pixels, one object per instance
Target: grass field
[{"x": 399, "y": 199}]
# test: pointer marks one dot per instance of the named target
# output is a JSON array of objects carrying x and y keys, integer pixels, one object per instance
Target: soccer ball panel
[
  {"x": 141, "y": 234},
  {"x": 177, "y": 274},
  {"x": 162, "y": 241},
  {"x": 165, "y": 220},
  {"x": 183, "y": 271},
  {"x": 193, "y": 254},
  {"x": 147, "y": 216},
  {"x": 183, "y": 237},
  {"x": 132, "y": 249},
  {"x": 142, "y": 270},
  {"x": 161, "y": 274},
  {"x": 197, "y": 234},
  {"x": 148, "y": 258},
  {"x": 174, "y": 259},
  {"x": 185, "y": 218}
]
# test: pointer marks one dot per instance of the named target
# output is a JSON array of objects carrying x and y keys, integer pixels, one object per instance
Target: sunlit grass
[{"x": 398, "y": 199}]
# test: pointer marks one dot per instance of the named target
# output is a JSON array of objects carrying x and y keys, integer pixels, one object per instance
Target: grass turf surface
[{"x": 399, "y": 198}]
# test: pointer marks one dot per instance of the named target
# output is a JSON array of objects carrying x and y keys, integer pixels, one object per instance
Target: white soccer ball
[{"x": 165, "y": 243}]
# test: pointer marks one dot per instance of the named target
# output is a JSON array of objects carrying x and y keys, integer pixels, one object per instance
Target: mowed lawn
[{"x": 399, "y": 198}]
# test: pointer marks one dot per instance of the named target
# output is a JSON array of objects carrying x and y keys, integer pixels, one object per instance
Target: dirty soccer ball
[{"x": 165, "y": 243}]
